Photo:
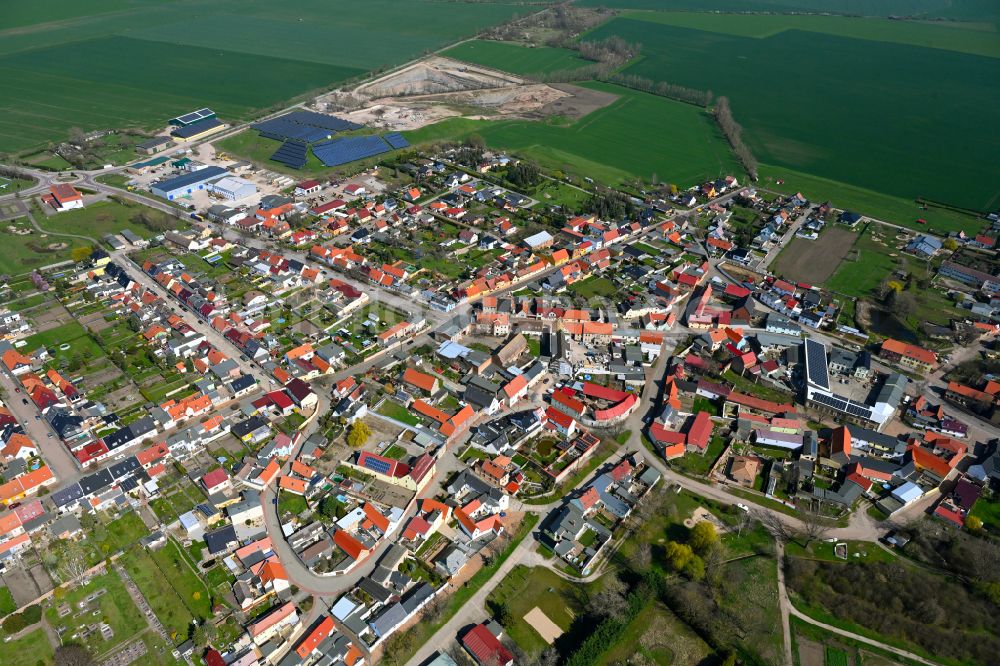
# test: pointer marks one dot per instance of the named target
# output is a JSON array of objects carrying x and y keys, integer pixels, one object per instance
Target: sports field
[
  {"x": 119, "y": 63},
  {"x": 914, "y": 126},
  {"x": 516, "y": 58},
  {"x": 636, "y": 136}
]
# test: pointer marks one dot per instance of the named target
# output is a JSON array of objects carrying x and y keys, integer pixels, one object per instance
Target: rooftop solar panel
[{"x": 816, "y": 370}]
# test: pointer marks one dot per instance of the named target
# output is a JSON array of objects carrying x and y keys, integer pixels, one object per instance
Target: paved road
[
  {"x": 787, "y": 608},
  {"x": 54, "y": 452}
]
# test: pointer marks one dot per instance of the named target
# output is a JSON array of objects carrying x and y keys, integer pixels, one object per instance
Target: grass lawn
[
  {"x": 988, "y": 511},
  {"x": 395, "y": 452},
  {"x": 70, "y": 333},
  {"x": 698, "y": 465},
  {"x": 657, "y": 636},
  {"x": 703, "y": 404},
  {"x": 745, "y": 385},
  {"x": 22, "y": 253},
  {"x": 102, "y": 217},
  {"x": 516, "y": 58},
  {"x": 635, "y": 136},
  {"x": 396, "y": 411},
  {"x": 525, "y": 588},
  {"x": 594, "y": 286},
  {"x": 163, "y": 596},
  {"x": 189, "y": 586},
  {"x": 836, "y": 657},
  {"x": 115, "y": 607},
  {"x": 31, "y": 649},
  {"x": 7, "y": 603},
  {"x": 119, "y": 533},
  {"x": 248, "y": 144},
  {"x": 291, "y": 503},
  {"x": 823, "y": 550},
  {"x": 752, "y": 603}
]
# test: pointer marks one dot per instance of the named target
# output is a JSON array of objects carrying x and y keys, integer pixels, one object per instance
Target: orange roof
[
  {"x": 428, "y": 505},
  {"x": 421, "y": 380},
  {"x": 299, "y": 351},
  {"x": 374, "y": 515},
  {"x": 840, "y": 441},
  {"x": 269, "y": 472},
  {"x": 12, "y": 359},
  {"x": 515, "y": 385},
  {"x": 351, "y": 546},
  {"x": 428, "y": 410},
  {"x": 271, "y": 619},
  {"x": 17, "y": 442},
  {"x": 909, "y": 351},
  {"x": 292, "y": 484},
  {"x": 315, "y": 637},
  {"x": 353, "y": 655},
  {"x": 9, "y": 522},
  {"x": 303, "y": 470},
  {"x": 10, "y": 544},
  {"x": 925, "y": 458},
  {"x": 273, "y": 570}
]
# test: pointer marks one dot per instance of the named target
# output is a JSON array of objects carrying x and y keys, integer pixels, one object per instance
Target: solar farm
[{"x": 302, "y": 131}]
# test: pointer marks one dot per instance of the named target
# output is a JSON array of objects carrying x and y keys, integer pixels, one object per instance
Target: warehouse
[
  {"x": 232, "y": 188},
  {"x": 198, "y": 130},
  {"x": 186, "y": 183}
]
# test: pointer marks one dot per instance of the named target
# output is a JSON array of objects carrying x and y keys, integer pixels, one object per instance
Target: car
[
  {"x": 743, "y": 507},
  {"x": 17, "y": 390},
  {"x": 49, "y": 435},
  {"x": 37, "y": 417},
  {"x": 24, "y": 401}
]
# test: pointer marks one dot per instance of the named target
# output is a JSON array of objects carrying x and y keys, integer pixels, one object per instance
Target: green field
[
  {"x": 909, "y": 127},
  {"x": 74, "y": 66},
  {"x": 115, "y": 607},
  {"x": 516, "y": 58},
  {"x": 97, "y": 219},
  {"x": 31, "y": 649},
  {"x": 70, "y": 333},
  {"x": 635, "y": 136},
  {"x": 526, "y": 588}
]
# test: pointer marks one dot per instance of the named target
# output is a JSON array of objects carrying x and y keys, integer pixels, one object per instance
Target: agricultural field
[
  {"x": 516, "y": 58},
  {"x": 837, "y": 121},
  {"x": 73, "y": 66},
  {"x": 636, "y": 136},
  {"x": 814, "y": 261},
  {"x": 958, "y": 10}
]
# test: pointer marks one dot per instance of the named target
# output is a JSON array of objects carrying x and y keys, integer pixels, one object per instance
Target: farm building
[
  {"x": 63, "y": 197},
  {"x": 154, "y": 145},
  {"x": 232, "y": 188},
  {"x": 198, "y": 130},
  {"x": 186, "y": 183}
]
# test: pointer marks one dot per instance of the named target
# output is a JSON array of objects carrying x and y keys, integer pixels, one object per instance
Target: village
[{"x": 332, "y": 403}]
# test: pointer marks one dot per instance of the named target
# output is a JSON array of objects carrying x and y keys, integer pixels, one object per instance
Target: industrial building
[
  {"x": 154, "y": 145},
  {"x": 232, "y": 188},
  {"x": 192, "y": 117},
  {"x": 186, "y": 183}
]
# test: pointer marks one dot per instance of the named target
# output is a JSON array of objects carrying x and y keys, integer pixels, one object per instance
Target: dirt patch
[
  {"x": 810, "y": 652},
  {"x": 814, "y": 261},
  {"x": 701, "y": 513},
  {"x": 22, "y": 586},
  {"x": 436, "y": 75},
  {"x": 540, "y": 622}
]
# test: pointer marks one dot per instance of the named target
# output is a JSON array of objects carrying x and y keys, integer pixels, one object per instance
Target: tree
[
  {"x": 703, "y": 537},
  {"x": 205, "y": 633},
  {"x": 974, "y": 524},
  {"x": 611, "y": 601},
  {"x": 678, "y": 555},
  {"x": 950, "y": 244},
  {"x": 14, "y": 623},
  {"x": 73, "y": 655},
  {"x": 79, "y": 254},
  {"x": 360, "y": 432},
  {"x": 902, "y": 304}
]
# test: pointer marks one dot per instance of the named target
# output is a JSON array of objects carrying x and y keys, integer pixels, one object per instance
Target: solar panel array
[
  {"x": 194, "y": 116},
  {"x": 305, "y": 126},
  {"x": 842, "y": 405},
  {"x": 377, "y": 465},
  {"x": 816, "y": 370},
  {"x": 292, "y": 154},
  {"x": 396, "y": 140},
  {"x": 349, "y": 149}
]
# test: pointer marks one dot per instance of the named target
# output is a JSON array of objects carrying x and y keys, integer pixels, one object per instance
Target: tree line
[
  {"x": 734, "y": 135},
  {"x": 662, "y": 89}
]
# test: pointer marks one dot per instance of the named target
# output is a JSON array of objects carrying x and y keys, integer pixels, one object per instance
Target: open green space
[
  {"x": 987, "y": 509},
  {"x": 163, "y": 597},
  {"x": 516, "y": 58},
  {"x": 31, "y": 649},
  {"x": 114, "y": 607},
  {"x": 70, "y": 333},
  {"x": 75, "y": 67},
  {"x": 636, "y": 136},
  {"x": 396, "y": 411},
  {"x": 595, "y": 286},
  {"x": 842, "y": 119},
  {"x": 102, "y": 217},
  {"x": 21, "y": 253},
  {"x": 7, "y": 604},
  {"x": 526, "y": 588}
]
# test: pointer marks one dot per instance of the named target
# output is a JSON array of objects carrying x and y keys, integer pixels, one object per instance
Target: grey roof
[
  {"x": 67, "y": 495},
  {"x": 220, "y": 540},
  {"x": 416, "y": 597},
  {"x": 189, "y": 178},
  {"x": 389, "y": 619},
  {"x": 376, "y": 591},
  {"x": 893, "y": 389}
]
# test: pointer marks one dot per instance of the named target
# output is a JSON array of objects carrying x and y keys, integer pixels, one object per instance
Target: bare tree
[
  {"x": 642, "y": 556},
  {"x": 610, "y": 601},
  {"x": 73, "y": 655}
]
